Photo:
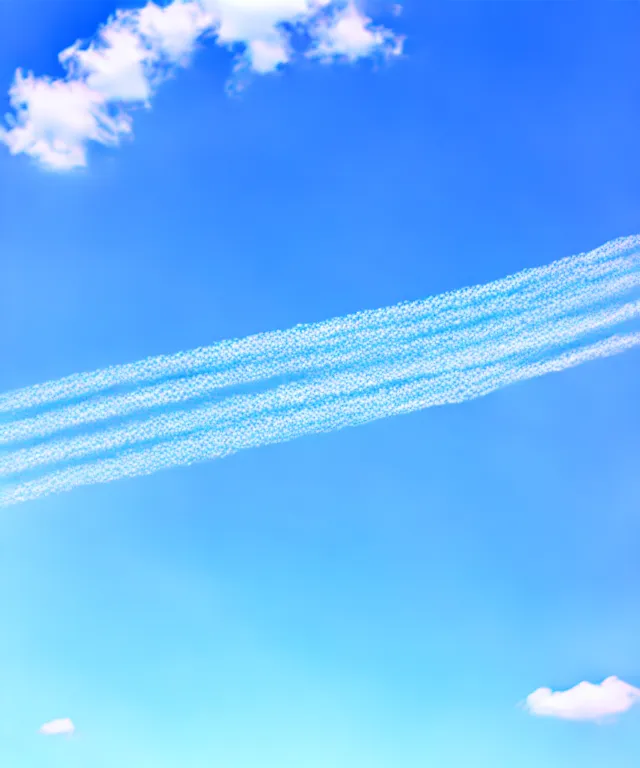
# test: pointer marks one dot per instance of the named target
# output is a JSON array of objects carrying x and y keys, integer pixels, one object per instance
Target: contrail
[
  {"x": 346, "y": 371},
  {"x": 265, "y": 346},
  {"x": 412, "y": 362},
  {"x": 268, "y": 429},
  {"x": 360, "y": 348}
]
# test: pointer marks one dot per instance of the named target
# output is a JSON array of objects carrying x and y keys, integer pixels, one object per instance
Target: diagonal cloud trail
[
  {"x": 447, "y": 349},
  {"x": 473, "y": 304},
  {"x": 410, "y": 362},
  {"x": 364, "y": 348},
  {"x": 392, "y": 400}
]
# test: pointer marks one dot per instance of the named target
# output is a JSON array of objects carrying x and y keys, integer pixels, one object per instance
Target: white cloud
[
  {"x": 267, "y": 55},
  {"x": 174, "y": 29},
  {"x": 256, "y": 26},
  {"x": 61, "y": 727},
  {"x": 584, "y": 701},
  {"x": 107, "y": 77},
  {"x": 114, "y": 65},
  {"x": 54, "y": 120},
  {"x": 351, "y": 35},
  {"x": 249, "y": 20}
]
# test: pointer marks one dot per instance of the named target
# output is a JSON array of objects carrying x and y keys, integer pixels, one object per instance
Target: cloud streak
[
  {"x": 585, "y": 701},
  {"x": 271, "y": 353},
  {"x": 55, "y": 120},
  {"x": 61, "y": 727},
  {"x": 208, "y": 403}
]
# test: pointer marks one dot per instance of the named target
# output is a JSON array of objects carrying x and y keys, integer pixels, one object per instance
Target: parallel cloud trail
[
  {"x": 359, "y": 348},
  {"x": 301, "y": 338},
  {"x": 347, "y": 371},
  {"x": 411, "y": 363}
]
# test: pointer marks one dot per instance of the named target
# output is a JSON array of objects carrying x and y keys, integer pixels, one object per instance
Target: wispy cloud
[
  {"x": 350, "y": 35},
  {"x": 61, "y": 727},
  {"x": 195, "y": 405},
  {"x": 584, "y": 701},
  {"x": 54, "y": 120}
]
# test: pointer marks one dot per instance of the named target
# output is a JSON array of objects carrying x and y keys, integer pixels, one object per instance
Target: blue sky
[{"x": 375, "y": 597}]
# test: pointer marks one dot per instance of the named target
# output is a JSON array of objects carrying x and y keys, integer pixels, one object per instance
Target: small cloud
[
  {"x": 584, "y": 701},
  {"x": 174, "y": 29},
  {"x": 348, "y": 34},
  {"x": 54, "y": 120},
  {"x": 256, "y": 25},
  {"x": 62, "y": 727},
  {"x": 267, "y": 55}
]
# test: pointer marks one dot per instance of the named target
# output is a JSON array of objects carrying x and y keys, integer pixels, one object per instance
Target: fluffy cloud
[
  {"x": 114, "y": 66},
  {"x": 173, "y": 30},
  {"x": 62, "y": 727},
  {"x": 246, "y": 21},
  {"x": 351, "y": 35},
  {"x": 54, "y": 120},
  {"x": 584, "y": 701}
]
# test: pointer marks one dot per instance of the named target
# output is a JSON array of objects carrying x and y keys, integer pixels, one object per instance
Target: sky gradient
[{"x": 375, "y": 597}]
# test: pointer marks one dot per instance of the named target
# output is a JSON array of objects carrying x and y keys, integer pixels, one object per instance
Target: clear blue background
[{"x": 378, "y": 597}]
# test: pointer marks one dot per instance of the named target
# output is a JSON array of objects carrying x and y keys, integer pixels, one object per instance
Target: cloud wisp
[
  {"x": 55, "y": 120},
  {"x": 60, "y": 727},
  {"x": 585, "y": 701},
  {"x": 208, "y": 403}
]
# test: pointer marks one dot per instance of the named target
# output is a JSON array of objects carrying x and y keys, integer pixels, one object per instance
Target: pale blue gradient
[{"x": 376, "y": 597}]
